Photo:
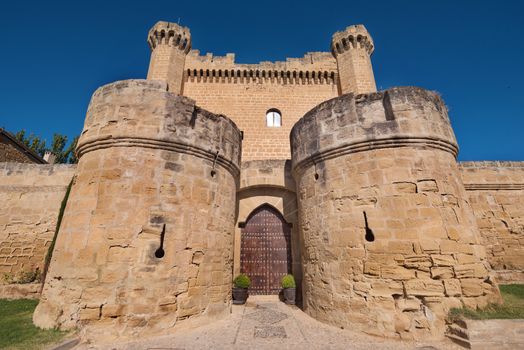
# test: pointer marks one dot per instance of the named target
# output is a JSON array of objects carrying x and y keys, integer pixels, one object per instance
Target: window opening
[{"x": 273, "y": 118}]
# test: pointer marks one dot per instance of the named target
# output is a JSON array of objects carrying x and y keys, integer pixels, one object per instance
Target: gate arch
[{"x": 265, "y": 249}]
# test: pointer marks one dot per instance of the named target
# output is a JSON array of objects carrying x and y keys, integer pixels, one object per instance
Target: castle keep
[{"x": 210, "y": 168}]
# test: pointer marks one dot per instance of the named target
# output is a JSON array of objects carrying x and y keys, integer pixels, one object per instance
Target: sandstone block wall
[
  {"x": 148, "y": 158},
  {"x": 245, "y": 92},
  {"x": 496, "y": 193},
  {"x": 388, "y": 157},
  {"x": 267, "y": 173},
  {"x": 30, "y": 197}
]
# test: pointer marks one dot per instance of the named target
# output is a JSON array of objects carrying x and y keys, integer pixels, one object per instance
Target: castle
[{"x": 210, "y": 168}]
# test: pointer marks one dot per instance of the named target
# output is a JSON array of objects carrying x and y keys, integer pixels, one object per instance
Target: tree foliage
[
  {"x": 32, "y": 141},
  {"x": 64, "y": 153}
]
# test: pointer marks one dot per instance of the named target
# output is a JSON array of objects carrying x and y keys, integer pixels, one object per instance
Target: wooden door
[{"x": 265, "y": 250}]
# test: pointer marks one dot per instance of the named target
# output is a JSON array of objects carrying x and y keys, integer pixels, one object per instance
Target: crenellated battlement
[
  {"x": 310, "y": 61},
  {"x": 313, "y": 68},
  {"x": 261, "y": 76},
  {"x": 352, "y": 49},
  {"x": 353, "y": 37},
  {"x": 347, "y": 67},
  {"x": 169, "y": 43},
  {"x": 171, "y": 34}
]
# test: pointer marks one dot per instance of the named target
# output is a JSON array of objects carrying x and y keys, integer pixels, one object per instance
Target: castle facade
[{"x": 210, "y": 168}]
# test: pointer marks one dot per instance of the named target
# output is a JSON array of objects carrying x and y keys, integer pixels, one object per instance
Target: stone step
[
  {"x": 459, "y": 341},
  {"x": 462, "y": 323},
  {"x": 459, "y": 331},
  {"x": 264, "y": 298},
  {"x": 67, "y": 344}
]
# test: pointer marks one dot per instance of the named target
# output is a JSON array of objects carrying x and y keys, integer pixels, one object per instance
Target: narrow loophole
[
  {"x": 213, "y": 173},
  {"x": 370, "y": 237},
  {"x": 316, "y": 176},
  {"x": 159, "y": 253}
]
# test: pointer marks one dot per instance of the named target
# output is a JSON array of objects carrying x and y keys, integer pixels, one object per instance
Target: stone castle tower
[{"x": 189, "y": 177}]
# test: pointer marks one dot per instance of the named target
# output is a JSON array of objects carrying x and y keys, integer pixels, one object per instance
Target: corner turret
[
  {"x": 170, "y": 44},
  {"x": 352, "y": 48}
]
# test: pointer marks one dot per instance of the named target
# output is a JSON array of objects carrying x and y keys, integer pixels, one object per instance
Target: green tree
[
  {"x": 71, "y": 151},
  {"x": 57, "y": 148},
  {"x": 37, "y": 145},
  {"x": 63, "y": 152},
  {"x": 33, "y": 142},
  {"x": 20, "y": 135}
]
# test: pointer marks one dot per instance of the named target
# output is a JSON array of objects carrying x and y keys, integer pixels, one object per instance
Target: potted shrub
[
  {"x": 240, "y": 285},
  {"x": 289, "y": 285}
]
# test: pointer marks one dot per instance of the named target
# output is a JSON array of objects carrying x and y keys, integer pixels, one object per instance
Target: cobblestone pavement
[{"x": 267, "y": 324}]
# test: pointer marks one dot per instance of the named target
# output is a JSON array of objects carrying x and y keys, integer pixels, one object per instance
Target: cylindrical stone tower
[
  {"x": 352, "y": 49},
  {"x": 170, "y": 44},
  {"x": 390, "y": 242},
  {"x": 147, "y": 235}
]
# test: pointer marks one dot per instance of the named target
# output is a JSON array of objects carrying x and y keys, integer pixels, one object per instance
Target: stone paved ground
[{"x": 269, "y": 324}]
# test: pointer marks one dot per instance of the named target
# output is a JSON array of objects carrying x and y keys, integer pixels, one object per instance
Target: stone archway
[{"x": 265, "y": 250}]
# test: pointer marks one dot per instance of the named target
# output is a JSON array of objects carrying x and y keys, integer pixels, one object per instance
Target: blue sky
[{"x": 54, "y": 54}]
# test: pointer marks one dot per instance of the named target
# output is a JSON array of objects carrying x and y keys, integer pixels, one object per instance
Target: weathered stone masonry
[
  {"x": 148, "y": 158},
  {"x": 390, "y": 157},
  {"x": 496, "y": 193},
  {"x": 30, "y": 197}
]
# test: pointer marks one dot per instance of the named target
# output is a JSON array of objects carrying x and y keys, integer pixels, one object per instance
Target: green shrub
[
  {"x": 288, "y": 281},
  {"x": 29, "y": 276},
  {"x": 22, "y": 277},
  {"x": 8, "y": 278},
  {"x": 242, "y": 281}
]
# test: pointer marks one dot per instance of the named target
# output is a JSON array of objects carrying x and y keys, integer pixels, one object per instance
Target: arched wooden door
[{"x": 265, "y": 250}]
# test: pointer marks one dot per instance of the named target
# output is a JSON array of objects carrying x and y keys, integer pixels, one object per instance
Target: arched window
[{"x": 273, "y": 118}]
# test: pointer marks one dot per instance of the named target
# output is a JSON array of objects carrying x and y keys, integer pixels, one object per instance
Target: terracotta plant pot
[
  {"x": 290, "y": 296},
  {"x": 239, "y": 295}
]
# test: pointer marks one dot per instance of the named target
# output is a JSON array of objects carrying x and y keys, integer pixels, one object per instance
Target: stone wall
[
  {"x": 147, "y": 235},
  {"x": 31, "y": 195},
  {"x": 20, "y": 291},
  {"x": 245, "y": 92},
  {"x": 390, "y": 242},
  {"x": 496, "y": 193}
]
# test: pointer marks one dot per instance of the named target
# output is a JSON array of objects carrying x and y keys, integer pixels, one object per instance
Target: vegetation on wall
[
  {"x": 513, "y": 307},
  {"x": 22, "y": 277},
  {"x": 64, "y": 153},
  {"x": 49, "y": 254}
]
